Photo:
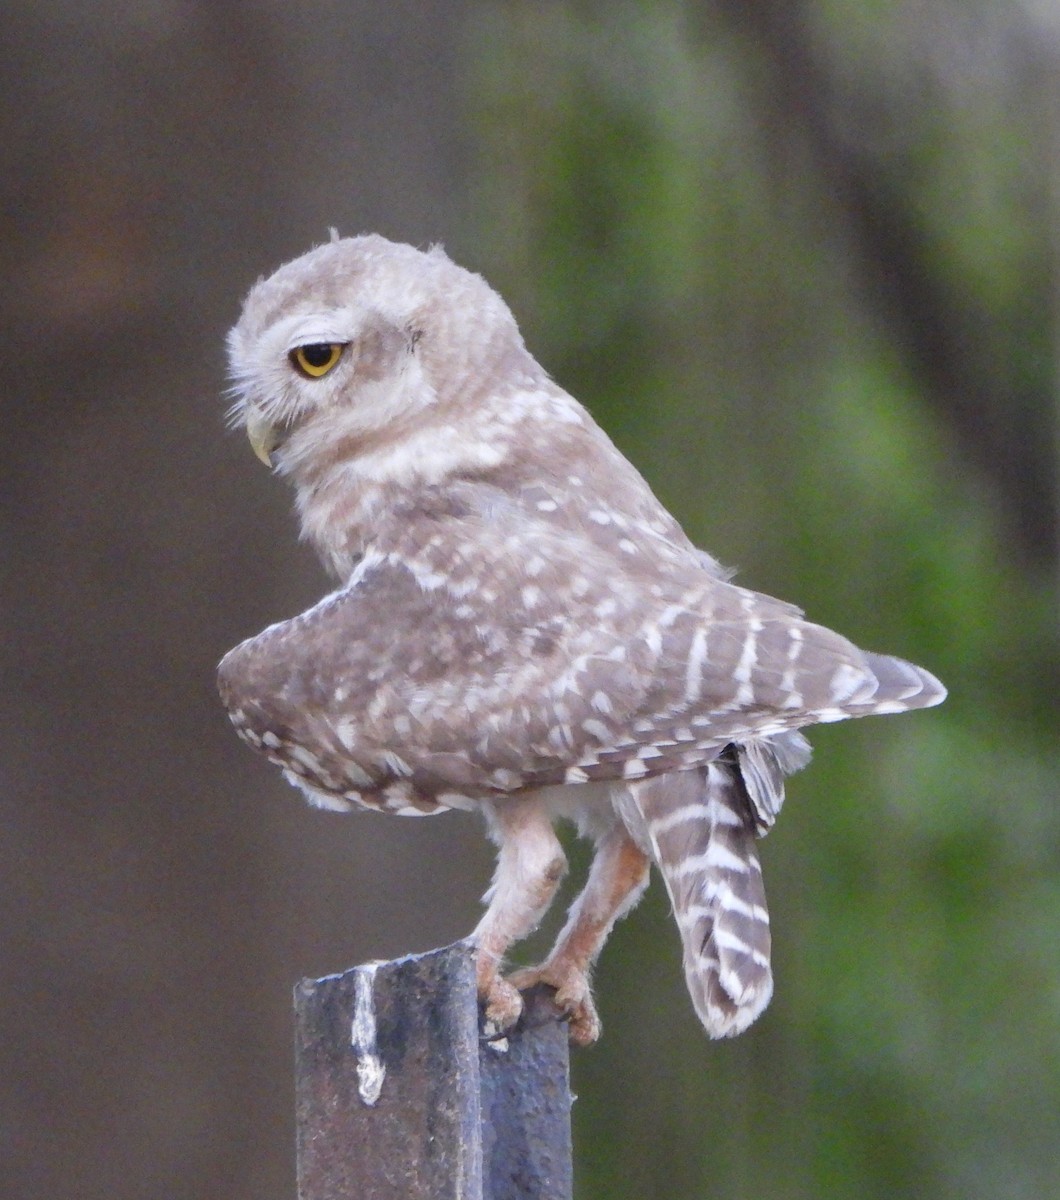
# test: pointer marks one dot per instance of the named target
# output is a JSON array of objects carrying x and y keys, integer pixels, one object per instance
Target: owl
[{"x": 519, "y": 628}]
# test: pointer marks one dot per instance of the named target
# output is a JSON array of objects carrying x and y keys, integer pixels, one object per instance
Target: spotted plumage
[{"x": 520, "y": 627}]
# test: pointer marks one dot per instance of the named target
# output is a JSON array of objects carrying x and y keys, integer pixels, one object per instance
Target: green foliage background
[{"x": 681, "y": 263}]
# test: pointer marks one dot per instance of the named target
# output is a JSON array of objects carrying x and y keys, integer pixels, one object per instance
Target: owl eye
[{"x": 317, "y": 358}]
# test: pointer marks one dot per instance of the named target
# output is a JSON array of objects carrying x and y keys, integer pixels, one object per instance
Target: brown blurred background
[{"x": 799, "y": 258}]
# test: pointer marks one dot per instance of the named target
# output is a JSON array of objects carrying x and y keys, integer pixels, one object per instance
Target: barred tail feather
[{"x": 702, "y": 836}]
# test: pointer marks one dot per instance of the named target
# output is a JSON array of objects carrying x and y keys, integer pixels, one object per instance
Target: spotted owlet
[{"x": 519, "y": 628}]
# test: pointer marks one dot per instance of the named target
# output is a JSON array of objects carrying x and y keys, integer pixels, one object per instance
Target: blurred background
[{"x": 799, "y": 257}]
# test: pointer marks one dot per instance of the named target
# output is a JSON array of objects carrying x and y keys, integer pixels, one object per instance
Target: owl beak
[{"x": 264, "y": 437}]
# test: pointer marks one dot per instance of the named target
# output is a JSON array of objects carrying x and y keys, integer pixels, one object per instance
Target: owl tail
[{"x": 702, "y": 831}]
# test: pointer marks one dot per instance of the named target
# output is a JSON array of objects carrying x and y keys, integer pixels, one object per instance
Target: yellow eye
[{"x": 317, "y": 358}]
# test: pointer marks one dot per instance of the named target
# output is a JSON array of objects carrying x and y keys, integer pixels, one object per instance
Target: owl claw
[
  {"x": 573, "y": 997},
  {"x": 503, "y": 1007}
]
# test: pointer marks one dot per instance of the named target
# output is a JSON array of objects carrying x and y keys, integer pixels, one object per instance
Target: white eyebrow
[{"x": 336, "y": 325}]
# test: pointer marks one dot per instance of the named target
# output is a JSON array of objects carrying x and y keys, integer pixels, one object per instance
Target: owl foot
[
  {"x": 573, "y": 996},
  {"x": 503, "y": 1006}
]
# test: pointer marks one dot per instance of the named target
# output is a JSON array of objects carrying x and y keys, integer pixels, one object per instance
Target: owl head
[{"x": 362, "y": 339}]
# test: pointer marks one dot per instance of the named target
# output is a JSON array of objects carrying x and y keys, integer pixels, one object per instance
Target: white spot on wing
[
  {"x": 505, "y": 779},
  {"x": 847, "y": 683},
  {"x": 306, "y": 757},
  {"x": 748, "y": 661},
  {"x": 324, "y": 800},
  {"x": 824, "y": 716},
  {"x": 694, "y": 667},
  {"x": 457, "y": 800},
  {"x": 598, "y": 730},
  {"x": 395, "y": 763}
]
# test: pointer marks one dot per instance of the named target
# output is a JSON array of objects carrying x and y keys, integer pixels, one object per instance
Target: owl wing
[{"x": 481, "y": 651}]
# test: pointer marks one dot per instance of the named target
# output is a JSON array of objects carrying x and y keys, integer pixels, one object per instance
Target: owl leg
[
  {"x": 617, "y": 878},
  {"x": 530, "y": 866}
]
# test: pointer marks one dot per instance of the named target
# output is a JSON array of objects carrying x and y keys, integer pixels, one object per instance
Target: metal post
[{"x": 400, "y": 1098}]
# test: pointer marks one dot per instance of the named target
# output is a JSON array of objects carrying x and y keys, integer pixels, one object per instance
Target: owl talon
[
  {"x": 503, "y": 1007},
  {"x": 573, "y": 997}
]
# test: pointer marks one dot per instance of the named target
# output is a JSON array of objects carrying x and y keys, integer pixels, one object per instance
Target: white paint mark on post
[{"x": 370, "y": 1067}]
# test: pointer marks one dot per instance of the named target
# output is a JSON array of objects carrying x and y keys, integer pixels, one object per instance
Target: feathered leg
[
  {"x": 617, "y": 877},
  {"x": 530, "y": 866}
]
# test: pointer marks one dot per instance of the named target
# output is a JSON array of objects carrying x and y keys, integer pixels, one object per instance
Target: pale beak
[{"x": 264, "y": 437}]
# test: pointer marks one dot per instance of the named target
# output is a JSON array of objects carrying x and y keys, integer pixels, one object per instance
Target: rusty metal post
[{"x": 400, "y": 1098}]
